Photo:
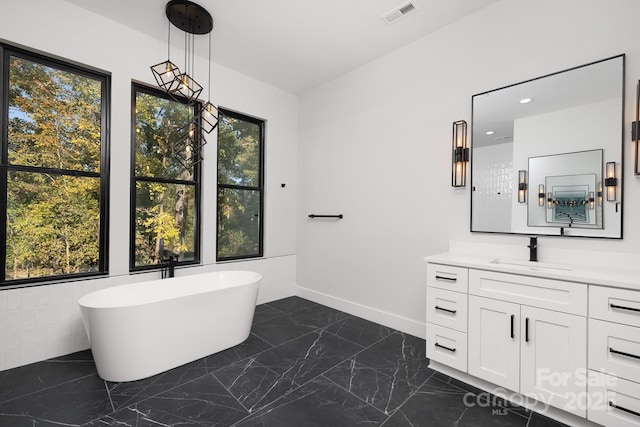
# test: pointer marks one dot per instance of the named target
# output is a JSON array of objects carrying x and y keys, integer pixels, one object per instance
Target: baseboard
[{"x": 390, "y": 320}]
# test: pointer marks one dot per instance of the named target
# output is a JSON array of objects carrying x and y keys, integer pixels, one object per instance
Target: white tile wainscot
[{"x": 563, "y": 340}]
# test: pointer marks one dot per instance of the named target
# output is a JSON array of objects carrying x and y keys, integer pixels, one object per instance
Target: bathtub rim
[{"x": 104, "y": 298}]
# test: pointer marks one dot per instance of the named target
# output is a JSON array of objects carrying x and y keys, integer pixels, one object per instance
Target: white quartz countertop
[{"x": 628, "y": 278}]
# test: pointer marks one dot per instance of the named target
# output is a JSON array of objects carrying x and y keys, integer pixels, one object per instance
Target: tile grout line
[
  {"x": 113, "y": 408},
  {"x": 260, "y": 338},
  {"x": 231, "y": 394},
  {"x": 48, "y": 388},
  {"x": 378, "y": 372},
  {"x": 409, "y": 397},
  {"x": 351, "y": 394},
  {"x": 319, "y": 329}
]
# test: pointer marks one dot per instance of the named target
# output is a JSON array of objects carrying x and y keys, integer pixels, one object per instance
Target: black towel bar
[{"x": 325, "y": 216}]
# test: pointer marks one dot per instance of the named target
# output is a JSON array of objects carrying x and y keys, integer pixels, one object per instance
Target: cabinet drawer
[
  {"x": 447, "y": 346},
  {"x": 613, "y": 402},
  {"x": 446, "y": 308},
  {"x": 447, "y": 277},
  {"x": 615, "y": 349},
  {"x": 614, "y": 305},
  {"x": 558, "y": 295}
]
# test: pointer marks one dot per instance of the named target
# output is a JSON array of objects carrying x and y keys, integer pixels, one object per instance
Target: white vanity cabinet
[
  {"x": 562, "y": 341},
  {"x": 535, "y": 351},
  {"x": 447, "y": 315},
  {"x": 614, "y": 356}
]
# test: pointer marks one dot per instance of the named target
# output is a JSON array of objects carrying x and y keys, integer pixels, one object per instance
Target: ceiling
[{"x": 296, "y": 45}]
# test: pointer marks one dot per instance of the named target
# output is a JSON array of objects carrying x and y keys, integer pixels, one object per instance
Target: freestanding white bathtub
[{"x": 143, "y": 329}]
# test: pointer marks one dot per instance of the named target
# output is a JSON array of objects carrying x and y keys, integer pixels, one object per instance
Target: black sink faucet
[{"x": 533, "y": 248}]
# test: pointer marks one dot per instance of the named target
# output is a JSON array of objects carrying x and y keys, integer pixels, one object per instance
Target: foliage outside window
[
  {"x": 53, "y": 182},
  {"x": 240, "y": 186},
  {"x": 165, "y": 193}
]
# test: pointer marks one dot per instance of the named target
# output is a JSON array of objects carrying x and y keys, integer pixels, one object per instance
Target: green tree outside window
[
  {"x": 165, "y": 198},
  {"x": 55, "y": 206},
  {"x": 240, "y": 186}
]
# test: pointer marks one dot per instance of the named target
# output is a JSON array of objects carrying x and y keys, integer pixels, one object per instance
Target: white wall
[
  {"x": 44, "y": 321},
  {"x": 375, "y": 146}
]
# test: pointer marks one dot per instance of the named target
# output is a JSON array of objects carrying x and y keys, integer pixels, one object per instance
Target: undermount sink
[{"x": 531, "y": 265}]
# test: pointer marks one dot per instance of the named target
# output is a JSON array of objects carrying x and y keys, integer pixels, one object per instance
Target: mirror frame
[{"x": 619, "y": 202}]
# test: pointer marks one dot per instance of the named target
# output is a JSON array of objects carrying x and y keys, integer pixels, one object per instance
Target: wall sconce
[
  {"x": 522, "y": 186},
  {"x": 550, "y": 201},
  {"x": 591, "y": 200},
  {"x": 600, "y": 193},
  {"x": 541, "y": 195},
  {"x": 460, "y": 155},
  {"x": 611, "y": 182}
]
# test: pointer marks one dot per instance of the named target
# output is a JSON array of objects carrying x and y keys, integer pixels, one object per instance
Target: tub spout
[
  {"x": 168, "y": 267},
  {"x": 172, "y": 266}
]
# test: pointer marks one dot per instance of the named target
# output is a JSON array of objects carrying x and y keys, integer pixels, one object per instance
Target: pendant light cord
[
  {"x": 193, "y": 53},
  {"x": 169, "y": 41},
  {"x": 209, "y": 87}
]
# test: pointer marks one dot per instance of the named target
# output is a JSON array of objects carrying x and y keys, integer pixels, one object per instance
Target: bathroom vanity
[{"x": 559, "y": 339}]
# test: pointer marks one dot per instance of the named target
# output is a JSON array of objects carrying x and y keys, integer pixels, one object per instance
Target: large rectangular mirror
[{"x": 538, "y": 153}]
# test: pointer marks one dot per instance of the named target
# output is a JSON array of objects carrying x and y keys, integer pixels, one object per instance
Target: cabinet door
[
  {"x": 554, "y": 358},
  {"x": 494, "y": 341}
]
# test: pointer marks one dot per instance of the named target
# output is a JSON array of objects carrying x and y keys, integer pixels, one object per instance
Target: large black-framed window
[
  {"x": 54, "y": 165},
  {"x": 240, "y": 186},
  {"x": 165, "y": 194}
]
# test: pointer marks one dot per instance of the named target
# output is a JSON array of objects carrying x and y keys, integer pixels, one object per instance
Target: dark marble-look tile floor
[{"x": 304, "y": 364}]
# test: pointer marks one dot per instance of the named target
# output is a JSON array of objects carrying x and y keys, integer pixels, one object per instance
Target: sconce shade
[
  {"x": 208, "y": 117},
  {"x": 611, "y": 182},
  {"x": 165, "y": 73},
  {"x": 541, "y": 195},
  {"x": 599, "y": 194},
  {"x": 460, "y": 155},
  {"x": 522, "y": 186}
]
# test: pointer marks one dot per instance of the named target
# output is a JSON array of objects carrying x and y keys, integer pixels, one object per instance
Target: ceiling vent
[{"x": 399, "y": 12}]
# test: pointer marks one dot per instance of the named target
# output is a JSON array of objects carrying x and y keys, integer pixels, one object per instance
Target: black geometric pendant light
[{"x": 193, "y": 20}]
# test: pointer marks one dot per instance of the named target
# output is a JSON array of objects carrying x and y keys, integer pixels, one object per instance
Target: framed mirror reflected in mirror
[{"x": 539, "y": 150}]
